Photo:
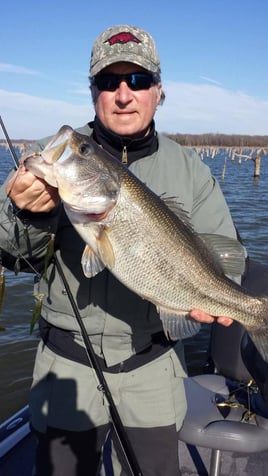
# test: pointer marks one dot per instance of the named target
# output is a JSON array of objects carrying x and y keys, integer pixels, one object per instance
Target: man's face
[{"x": 123, "y": 111}]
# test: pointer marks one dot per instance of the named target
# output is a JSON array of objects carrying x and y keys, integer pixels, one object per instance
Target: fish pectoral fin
[
  {"x": 178, "y": 325},
  {"x": 228, "y": 252},
  {"x": 105, "y": 249},
  {"x": 91, "y": 263}
]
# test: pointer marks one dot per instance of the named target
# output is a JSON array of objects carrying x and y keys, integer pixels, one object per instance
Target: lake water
[{"x": 247, "y": 198}]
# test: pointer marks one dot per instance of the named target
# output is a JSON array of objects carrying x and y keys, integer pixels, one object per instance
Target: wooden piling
[
  {"x": 257, "y": 164},
  {"x": 224, "y": 168}
]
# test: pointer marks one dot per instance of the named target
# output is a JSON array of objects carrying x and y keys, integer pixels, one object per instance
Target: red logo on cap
[{"x": 123, "y": 37}]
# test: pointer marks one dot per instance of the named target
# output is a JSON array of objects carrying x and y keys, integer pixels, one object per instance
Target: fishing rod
[{"x": 103, "y": 386}]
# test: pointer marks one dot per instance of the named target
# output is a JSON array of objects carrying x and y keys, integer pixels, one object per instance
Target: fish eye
[{"x": 84, "y": 149}]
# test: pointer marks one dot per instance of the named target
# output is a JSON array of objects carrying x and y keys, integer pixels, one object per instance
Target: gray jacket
[{"x": 118, "y": 321}]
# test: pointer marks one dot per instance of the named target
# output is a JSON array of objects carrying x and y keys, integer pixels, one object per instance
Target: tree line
[
  {"x": 220, "y": 140},
  {"x": 194, "y": 140}
]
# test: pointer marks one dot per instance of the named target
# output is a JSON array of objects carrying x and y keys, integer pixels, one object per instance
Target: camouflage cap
[{"x": 124, "y": 43}]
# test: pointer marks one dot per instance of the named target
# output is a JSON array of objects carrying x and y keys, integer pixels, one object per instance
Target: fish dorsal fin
[
  {"x": 177, "y": 208},
  {"x": 228, "y": 252},
  {"x": 91, "y": 263}
]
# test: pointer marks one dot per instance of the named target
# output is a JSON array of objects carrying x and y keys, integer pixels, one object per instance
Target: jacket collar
[{"x": 125, "y": 148}]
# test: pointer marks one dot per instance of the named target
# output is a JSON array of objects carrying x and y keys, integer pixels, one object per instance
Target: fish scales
[
  {"x": 133, "y": 232},
  {"x": 165, "y": 269}
]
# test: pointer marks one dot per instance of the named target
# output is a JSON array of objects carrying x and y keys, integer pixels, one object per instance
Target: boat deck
[
  {"x": 194, "y": 461},
  {"x": 19, "y": 461}
]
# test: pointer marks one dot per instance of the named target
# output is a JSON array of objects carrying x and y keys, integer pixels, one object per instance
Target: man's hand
[
  {"x": 31, "y": 193},
  {"x": 202, "y": 316}
]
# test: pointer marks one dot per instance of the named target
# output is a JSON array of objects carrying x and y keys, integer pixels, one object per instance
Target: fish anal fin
[
  {"x": 177, "y": 324},
  {"x": 91, "y": 263}
]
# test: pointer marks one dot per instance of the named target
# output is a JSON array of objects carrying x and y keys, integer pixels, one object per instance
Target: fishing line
[
  {"x": 10, "y": 146},
  {"x": 117, "y": 423},
  {"x": 20, "y": 255},
  {"x": 120, "y": 431}
]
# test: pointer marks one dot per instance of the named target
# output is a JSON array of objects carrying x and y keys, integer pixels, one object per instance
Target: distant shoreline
[
  {"x": 208, "y": 144},
  {"x": 16, "y": 142},
  {"x": 217, "y": 140},
  {"x": 22, "y": 145}
]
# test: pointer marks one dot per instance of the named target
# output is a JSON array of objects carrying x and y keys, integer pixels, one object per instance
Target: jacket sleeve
[
  {"x": 210, "y": 212},
  {"x": 24, "y": 236}
]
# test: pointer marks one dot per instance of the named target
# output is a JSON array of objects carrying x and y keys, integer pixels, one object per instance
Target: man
[{"x": 143, "y": 369}]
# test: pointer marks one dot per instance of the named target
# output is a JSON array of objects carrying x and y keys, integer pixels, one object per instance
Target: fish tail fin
[
  {"x": 259, "y": 335},
  {"x": 260, "y": 339}
]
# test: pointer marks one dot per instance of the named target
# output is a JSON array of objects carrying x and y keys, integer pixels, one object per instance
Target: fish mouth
[
  {"x": 97, "y": 217},
  {"x": 89, "y": 215}
]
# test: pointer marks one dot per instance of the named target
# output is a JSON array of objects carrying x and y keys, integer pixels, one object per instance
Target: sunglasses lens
[
  {"x": 106, "y": 82},
  {"x": 135, "y": 81},
  {"x": 140, "y": 81}
]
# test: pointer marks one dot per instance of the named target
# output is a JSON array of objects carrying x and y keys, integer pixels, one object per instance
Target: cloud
[
  {"x": 80, "y": 90},
  {"x": 15, "y": 69},
  {"x": 210, "y": 80},
  {"x": 204, "y": 108},
  {"x": 32, "y": 117},
  {"x": 188, "y": 108}
]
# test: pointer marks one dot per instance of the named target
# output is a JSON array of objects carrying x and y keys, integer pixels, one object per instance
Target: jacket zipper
[{"x": 124, "y": 155}]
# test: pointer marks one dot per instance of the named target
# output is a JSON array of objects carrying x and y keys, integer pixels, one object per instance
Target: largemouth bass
[{"x": 135, "y": 234}]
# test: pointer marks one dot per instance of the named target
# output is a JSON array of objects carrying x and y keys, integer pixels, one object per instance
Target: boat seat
[
  {"x": 226, "y": 411},
  {"x": 211, "y": 423}
]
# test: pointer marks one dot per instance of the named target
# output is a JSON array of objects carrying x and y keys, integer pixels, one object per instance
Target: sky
[{"x": 213, "y": 59}]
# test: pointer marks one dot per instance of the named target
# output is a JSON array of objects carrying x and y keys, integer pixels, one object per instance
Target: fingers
[
  {"x": 16, "y": 182},
  {"x": 31, "y": 193},
  {"x": 43, "y": 197},
  {"x": 225, "y": 321},
  {"x": 201, "y": 316}
]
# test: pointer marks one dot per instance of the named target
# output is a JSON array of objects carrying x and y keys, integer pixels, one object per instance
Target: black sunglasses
[{"x": 135, "y": 81}]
